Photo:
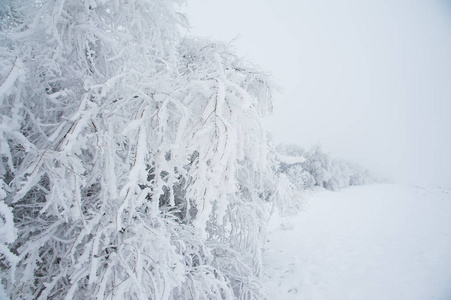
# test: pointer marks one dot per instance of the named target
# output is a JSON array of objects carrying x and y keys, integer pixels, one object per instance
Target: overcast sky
[{"x": 369, "y": 80}]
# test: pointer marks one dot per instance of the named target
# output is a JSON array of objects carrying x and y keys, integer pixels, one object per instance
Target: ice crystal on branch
[{"x": 134, "y": 162}]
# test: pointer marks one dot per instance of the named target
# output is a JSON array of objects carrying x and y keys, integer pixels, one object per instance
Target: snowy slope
[{"x": 368, "y": 242}]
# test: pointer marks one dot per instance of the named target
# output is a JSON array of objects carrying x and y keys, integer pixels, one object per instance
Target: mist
[{"x": 367, "y": 80}]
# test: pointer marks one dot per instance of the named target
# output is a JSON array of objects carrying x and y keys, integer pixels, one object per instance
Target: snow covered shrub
[
  {"x": 225, "y": 176},
  {"x": 306, "y": 169},
  {"x": 134, "y": 162}
]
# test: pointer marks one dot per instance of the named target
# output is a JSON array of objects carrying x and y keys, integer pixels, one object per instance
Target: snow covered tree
[
  {"x": 134, "y": 162},
  {"x": 225, "y": 145},
  {"x": 307, "y": 169}
]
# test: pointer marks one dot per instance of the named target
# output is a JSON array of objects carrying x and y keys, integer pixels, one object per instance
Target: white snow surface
[{"x": 384, "y": 241}]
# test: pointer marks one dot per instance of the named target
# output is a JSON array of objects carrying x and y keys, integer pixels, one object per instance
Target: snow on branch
[{"x": 134, "y": 162}]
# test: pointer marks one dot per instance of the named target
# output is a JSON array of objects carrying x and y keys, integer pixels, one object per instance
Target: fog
[{"x": 370, "y": 81}]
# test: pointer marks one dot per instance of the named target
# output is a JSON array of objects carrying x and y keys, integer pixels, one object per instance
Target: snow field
[{"x": 367, "y": 242}]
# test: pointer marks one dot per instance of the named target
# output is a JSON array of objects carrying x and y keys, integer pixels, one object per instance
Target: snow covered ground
[{"x": 369, "y": 242}]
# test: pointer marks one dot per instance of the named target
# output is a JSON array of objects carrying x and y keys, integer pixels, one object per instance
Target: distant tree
[{"x": 306, "y": 169}]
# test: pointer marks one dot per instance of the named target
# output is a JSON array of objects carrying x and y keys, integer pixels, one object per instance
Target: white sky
[{"x": 368, "y": 80}]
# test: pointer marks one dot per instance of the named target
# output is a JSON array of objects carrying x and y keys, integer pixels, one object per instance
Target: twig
[{"x": 10, "y": 71}]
